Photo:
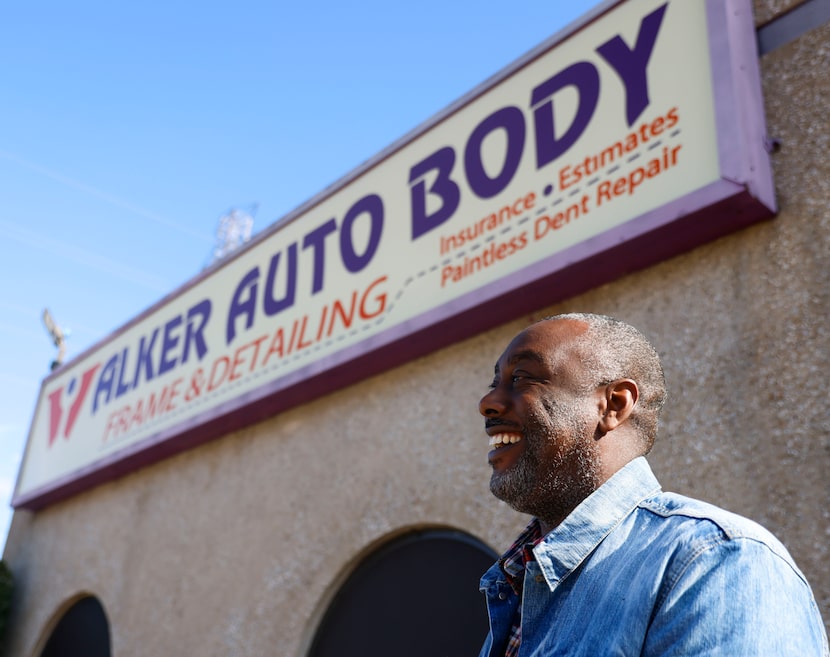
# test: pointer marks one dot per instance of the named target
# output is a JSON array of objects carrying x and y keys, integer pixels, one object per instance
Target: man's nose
[{"x": 492, "y": 404}]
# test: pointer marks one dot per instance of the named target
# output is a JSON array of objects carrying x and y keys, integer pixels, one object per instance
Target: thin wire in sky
[{"x": 105, "y": 196}]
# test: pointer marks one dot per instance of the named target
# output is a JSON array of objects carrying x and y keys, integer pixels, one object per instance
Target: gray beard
[{"x": 549, "y": 491}]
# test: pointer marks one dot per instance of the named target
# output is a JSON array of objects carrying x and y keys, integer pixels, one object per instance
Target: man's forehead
[
  {"x": 510, "y": 357},
  {"x": 544, "y": 342}
]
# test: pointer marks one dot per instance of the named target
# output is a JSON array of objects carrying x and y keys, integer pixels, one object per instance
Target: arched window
[
  {"x": 83, "y": 631},
  {"x": 414, "y": 596}
]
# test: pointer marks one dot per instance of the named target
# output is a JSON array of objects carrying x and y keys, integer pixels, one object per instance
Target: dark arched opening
[
  {"x": 416, "y": 595},
  {"x": 83, "y": 631}
]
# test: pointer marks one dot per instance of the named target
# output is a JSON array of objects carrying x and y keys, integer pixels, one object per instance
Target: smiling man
[{"x": 610, "y": 564}]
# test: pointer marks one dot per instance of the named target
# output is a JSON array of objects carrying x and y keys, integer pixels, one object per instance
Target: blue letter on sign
[{"x": 444, "y": 188}]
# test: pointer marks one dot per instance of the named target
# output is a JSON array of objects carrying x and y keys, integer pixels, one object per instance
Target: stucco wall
[
  {"x": 234, "y": 548},
  {"x": 768, "y": 10}
]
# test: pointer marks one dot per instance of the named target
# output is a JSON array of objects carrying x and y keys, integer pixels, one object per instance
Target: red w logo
[{"x": 56, "y": 407}]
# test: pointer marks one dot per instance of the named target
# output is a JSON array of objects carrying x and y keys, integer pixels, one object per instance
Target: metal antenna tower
[{"x": 233, "y": 231}]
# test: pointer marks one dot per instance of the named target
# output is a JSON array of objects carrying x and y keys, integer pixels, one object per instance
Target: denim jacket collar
[
  {"x": 567, "y": 545},
  {"x": 635, "y": 571}
]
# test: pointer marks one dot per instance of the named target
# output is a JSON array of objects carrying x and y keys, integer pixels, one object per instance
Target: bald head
[{"x": 608, "y": 350}]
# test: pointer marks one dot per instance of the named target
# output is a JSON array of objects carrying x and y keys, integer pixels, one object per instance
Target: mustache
[{"x": 491, "y": 422}]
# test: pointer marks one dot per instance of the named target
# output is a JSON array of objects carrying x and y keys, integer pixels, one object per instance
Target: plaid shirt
[{"x": 513, "y": 566}]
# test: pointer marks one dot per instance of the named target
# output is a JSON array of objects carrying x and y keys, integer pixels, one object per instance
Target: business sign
[{"x": 634, "y": 134}]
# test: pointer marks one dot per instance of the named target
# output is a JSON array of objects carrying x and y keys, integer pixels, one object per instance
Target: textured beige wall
[
  {"x": 235, "y": 547},
  {"x": 767, "y": 10}
]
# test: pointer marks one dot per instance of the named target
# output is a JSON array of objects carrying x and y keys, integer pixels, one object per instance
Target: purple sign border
[{"x": 744, "y": 195}]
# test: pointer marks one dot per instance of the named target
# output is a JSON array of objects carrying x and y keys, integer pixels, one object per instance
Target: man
[{"x": 610, "y": 564}]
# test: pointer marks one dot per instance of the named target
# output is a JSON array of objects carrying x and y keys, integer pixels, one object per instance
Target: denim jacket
[{"x": 635, "y": 571}]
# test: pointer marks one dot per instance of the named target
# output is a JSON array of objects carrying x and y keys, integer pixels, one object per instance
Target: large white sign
[{"x": 615, "y": 131}]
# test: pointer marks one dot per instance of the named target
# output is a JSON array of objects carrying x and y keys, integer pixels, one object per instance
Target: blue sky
[{"x": 129, "y": 129}]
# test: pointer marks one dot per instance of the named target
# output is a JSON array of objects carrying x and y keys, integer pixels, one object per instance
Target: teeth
[{"x": 501, "y": 439}]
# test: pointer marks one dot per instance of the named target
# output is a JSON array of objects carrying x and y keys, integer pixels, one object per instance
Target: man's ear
[{"x": 617, "y": 404}]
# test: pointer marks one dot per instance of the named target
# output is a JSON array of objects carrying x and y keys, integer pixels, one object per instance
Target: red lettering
[{"x": 213, "y": 382}]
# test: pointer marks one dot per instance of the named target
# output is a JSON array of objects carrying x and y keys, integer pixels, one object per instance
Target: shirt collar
[
  {"x": 567, "y": 545},
  {"x": 513, "y": 561}
]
